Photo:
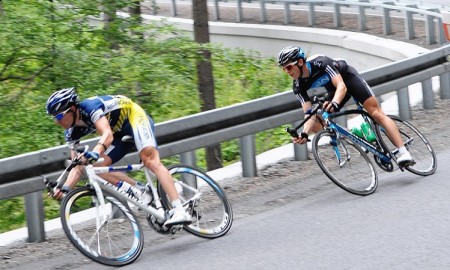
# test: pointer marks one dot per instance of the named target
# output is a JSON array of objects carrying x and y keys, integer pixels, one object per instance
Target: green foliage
[
  {"x": 12, "y": 216},
  {"x": 46, "y": 47}
]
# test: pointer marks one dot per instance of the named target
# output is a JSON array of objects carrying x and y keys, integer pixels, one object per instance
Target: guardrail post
[
  {"x": 173, "y": 8},
  {"x": 216, "y": 11},
  {"x": 342, "y": 121},
  {"x": 300, "y": 150},
  {"x": 404, "y": 110},
  {"x": 248, "y": 156},
  {"x": 188, "y": 158},
  {"x": 311, "y": 16},
  {"x": 409, "y": 24},
  {"x": 34, "y": 210},
  {"x": 429, "y": 28},
  {"x": 444, "y": 80},
  {"x": 263, "y": 12},
  {"x": 337, "y": 16},
  {"x": 287, "y": 13},
  {"x": 362, "y": 16},
  {"x": 387, "y": 27},
  {"x": 155, "y": 7},
  {"x": 441, "y": 34},
  {"x": 428, "y": 95},
  {"x": 238, "y": 10}
]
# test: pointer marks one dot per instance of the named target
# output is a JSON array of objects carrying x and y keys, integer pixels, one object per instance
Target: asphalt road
[{"x": 404, "y": 225}]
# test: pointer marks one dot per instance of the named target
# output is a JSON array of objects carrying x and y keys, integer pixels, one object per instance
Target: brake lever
[
  {"x": 293, "y": 132},
  {"x": 49, "y": 185}
]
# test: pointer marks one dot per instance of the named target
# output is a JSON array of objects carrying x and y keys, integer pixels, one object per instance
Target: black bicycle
[{"x": 342, "y": 155}]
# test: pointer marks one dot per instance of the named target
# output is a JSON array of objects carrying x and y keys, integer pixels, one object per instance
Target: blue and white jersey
[{"x": 115, "y": 108}]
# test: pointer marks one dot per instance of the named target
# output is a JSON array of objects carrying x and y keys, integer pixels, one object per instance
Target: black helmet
[
  {"x": 61, "y": 100},
  {"x": 290, "y": 54}
]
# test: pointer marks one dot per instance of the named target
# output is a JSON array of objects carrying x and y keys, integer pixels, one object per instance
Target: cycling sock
[
  {"x": 176, "y": 204},
  {"x": 402, "y": 150}
]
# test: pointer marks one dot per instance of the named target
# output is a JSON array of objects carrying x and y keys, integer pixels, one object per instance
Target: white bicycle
[{"x": 100, "y": 223}]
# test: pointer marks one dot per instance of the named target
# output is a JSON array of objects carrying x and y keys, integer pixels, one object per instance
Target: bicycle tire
[
  {"x": 118, "y": 241},
  {"x": 356, "y": 174},
  {"x": 211, "y": 212},
  {"x": 416, "y": 143}
]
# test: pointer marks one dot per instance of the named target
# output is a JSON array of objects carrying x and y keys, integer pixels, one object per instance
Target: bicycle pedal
[
  {"x": 176, "y": 228},
  {"x": 407, "y": 164}
]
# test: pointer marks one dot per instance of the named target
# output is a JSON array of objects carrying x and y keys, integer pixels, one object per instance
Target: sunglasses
[
  {"x": 288, "y": 67},
  {"x": 60, "y": 116}
]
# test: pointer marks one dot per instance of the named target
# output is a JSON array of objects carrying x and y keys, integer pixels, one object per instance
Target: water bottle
[
  {"x": 368, "y": 132},
  {"x": 126, "y": 187},
  {"x": 138, "y": 191},
  {"x": 356, "y": 131}
]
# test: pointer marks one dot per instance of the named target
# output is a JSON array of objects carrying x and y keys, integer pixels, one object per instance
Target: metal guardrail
[
  {"x": 199, "y": 130},
  {"x": 431, "y": 14},
  {"x": 180, "y": 136}
]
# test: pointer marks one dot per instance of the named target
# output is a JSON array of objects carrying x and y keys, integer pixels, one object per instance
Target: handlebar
[
  {"x": 78, "y": 160},
  {"x": 293, "y": 131}
]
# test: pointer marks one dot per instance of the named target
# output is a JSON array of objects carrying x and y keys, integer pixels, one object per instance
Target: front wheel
[
  {"x": 205, "y": 200},
  {"x": 416, "y": 143},
  {"x": 345, "y": 163},
  {"x": 109, "y": 234}
]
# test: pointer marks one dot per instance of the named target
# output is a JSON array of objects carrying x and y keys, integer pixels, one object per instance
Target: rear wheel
[
  {"x": 345, "y": 163},
  {"x": 205, "y": 200},
  {"x": 416, "y": 143},
  {"x": 109, "y": 234}
]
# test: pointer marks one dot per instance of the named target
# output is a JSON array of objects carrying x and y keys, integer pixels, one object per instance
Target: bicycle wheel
[
  {"x": 345, "y": 163},
  {"x": 419, "y": 147},
  {"x": 109, "y": 235},
  {"x": 207, "y": 202}
]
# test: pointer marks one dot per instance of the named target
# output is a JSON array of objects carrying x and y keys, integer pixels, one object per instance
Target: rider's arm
[
  {"x": 106, "y": 135},
  {"x": 72, "y": 178},
  {"x": 314, "y": 123},
  {"x": 74, "y": 174},
  {"x": 341, "y": 88},
  {"x": 311, "y": 126},
  {"x": 341, "y": 91},
  {"x": 105, "y": 141}
]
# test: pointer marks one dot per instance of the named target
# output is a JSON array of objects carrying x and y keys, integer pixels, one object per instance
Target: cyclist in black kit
[{"x": 341, "y": 81}]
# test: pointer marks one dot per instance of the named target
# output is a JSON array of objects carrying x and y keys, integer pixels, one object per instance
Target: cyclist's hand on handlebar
[
  {"x": 91, "y": 156},
  {"x": 331, "y": 107},
  {"x": 303, "y": 138},
  {"x": 58, "y": 193}
]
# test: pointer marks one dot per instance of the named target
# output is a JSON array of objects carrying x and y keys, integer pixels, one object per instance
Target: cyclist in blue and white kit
[
  {"x": 112, "y": 117},
  {"x": 341, "y": 81}
]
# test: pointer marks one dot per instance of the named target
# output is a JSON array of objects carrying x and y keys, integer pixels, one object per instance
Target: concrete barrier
[{"x": 363, "y": 51}]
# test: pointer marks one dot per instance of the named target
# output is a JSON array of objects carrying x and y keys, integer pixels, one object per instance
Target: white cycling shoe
[
  {"x": 179, "y": 217},
  {"x": 405, "y": 160}
]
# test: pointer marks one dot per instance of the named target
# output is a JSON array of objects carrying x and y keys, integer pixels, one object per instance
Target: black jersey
[{"x": 322, "y": 70}]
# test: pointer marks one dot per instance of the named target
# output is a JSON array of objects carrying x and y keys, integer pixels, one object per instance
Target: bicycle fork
[{"x": 335, "y": 143}]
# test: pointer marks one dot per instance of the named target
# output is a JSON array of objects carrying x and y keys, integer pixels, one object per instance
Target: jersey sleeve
[
  {"x": 94, "y": 108},
  {"x": 330, "y": 67}
]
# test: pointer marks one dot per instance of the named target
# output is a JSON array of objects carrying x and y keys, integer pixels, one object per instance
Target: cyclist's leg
[
  {"x": 391, "y": 128},
  {"x": 374, "y": 109},
  {"x": 144, "y": 138},
  {"x": 362, "y": 92},
  {"x": 114, "y": 153}
]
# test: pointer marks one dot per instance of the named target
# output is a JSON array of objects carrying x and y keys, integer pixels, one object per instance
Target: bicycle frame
[
  {"x": 157, "y": 211},
  {"x": 339, "y": 130},
  {"x": 99, "y": 183}
]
